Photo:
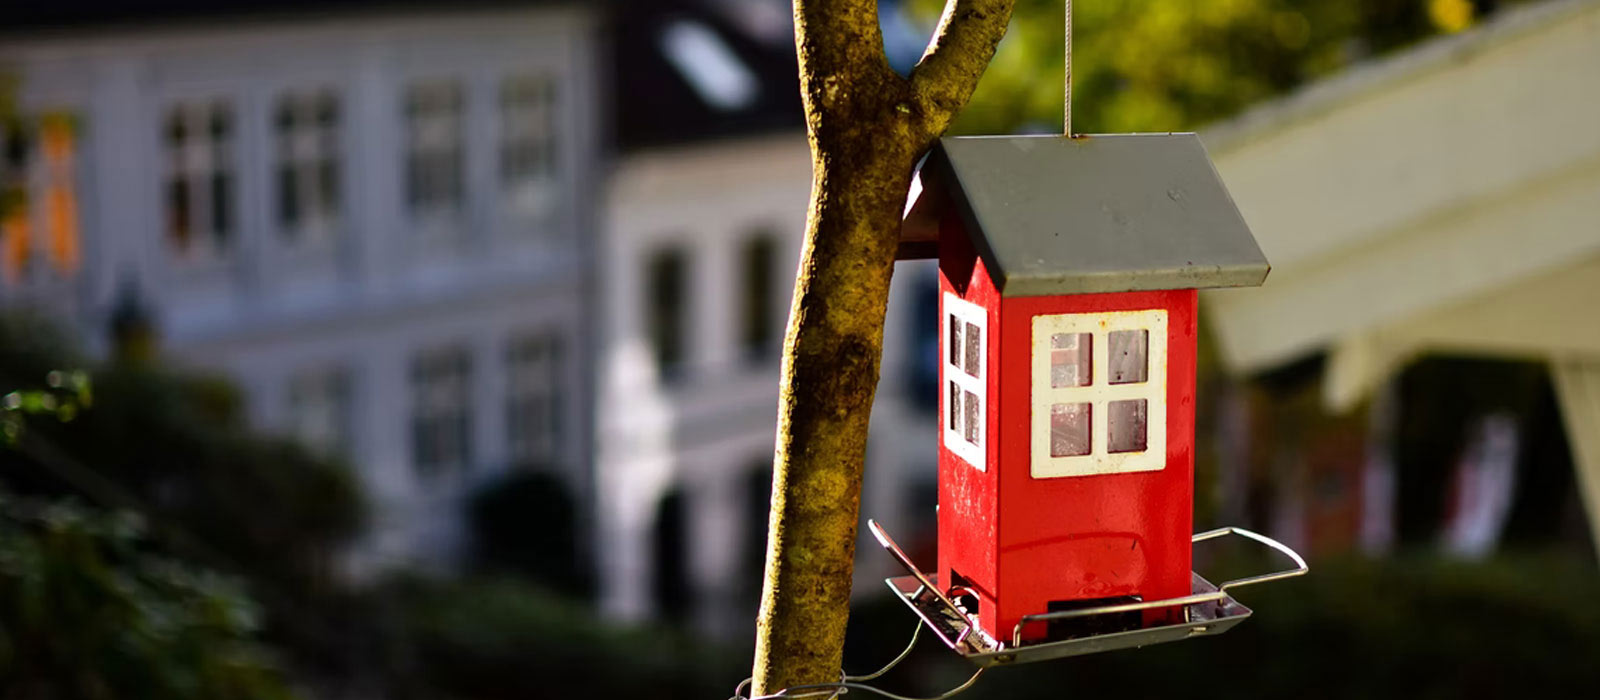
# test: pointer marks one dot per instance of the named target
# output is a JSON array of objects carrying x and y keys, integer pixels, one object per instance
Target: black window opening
[
  {"x": 666, "y": 300},
  {"x": 758, "y": 318}
]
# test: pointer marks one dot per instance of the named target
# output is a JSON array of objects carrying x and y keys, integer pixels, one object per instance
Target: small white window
[
  {"x": 435, "y": 113},
  {"x": 319, "y": 410},
  {"x": 966, "y": 337},
  {"x": 200, "y": 179},
  {"x": 1099, "y": 393},
  {"x": 441, "y": 412},
  {"x": 307, "y": 125},
  {"x": 534, "y": 375},
  {"x": 528, "y": 143}
]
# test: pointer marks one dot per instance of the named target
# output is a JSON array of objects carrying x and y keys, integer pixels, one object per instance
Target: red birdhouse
[{"x": 1067, "y": 271}]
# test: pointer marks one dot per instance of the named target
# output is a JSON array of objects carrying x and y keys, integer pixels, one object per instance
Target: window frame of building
[
  {"x": 964, "y": 421},
  {"x": 435, "y": 167},
  {"x": 667, "y": 312},
  {"x": 200, "y": 181},
  {"x": 759, "y": 335},
  {"x": 441, "y": 411},
  {"x": 308, "y": 165},
  {"x": 534, "y": 399},
  {"x": 529, "y": 147},
  {"x": 1099, "y": 390},
  {"x": 321, "y": 409},
  {"x": 39, "y": 161}
]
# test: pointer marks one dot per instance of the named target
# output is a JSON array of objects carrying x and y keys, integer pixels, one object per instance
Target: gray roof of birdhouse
[{"x": 1115, "y": 213}]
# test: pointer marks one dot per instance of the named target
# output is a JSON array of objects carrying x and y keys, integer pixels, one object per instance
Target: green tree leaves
[
  {"x": 1165, "y": 65},
  {"x": 86, "y": 611}
]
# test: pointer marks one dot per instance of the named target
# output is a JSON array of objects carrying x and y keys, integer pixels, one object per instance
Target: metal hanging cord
[
  {"x": 1066, "y": 118},
  {"x": 849, "y": 683}
]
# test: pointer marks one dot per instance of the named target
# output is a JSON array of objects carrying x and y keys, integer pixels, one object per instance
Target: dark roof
[
  {"x": 656, "y": 100},
  {"x": 1115, "y": 213},
  {"x": 77, "y": 14}
]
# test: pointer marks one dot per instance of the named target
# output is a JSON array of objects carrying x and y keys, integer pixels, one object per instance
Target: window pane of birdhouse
[
  {"x": 955, "y": 407},
  {"x": 955, "y": 341},
  {"x": 974, "y": 355},
  {"x": 971, "y": 406},
  {"x": 1128, "y": 425},
  {"x": 1128, "y": 356},
  {"x": 1070, "y": 363},
  {"x": 1069, "y": 429}
]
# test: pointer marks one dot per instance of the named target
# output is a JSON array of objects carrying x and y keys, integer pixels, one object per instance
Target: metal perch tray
[{"x": 1208, "y": 610}]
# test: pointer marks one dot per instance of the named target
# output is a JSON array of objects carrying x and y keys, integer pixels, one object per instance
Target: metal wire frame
[{"x": 848, "y": 683}]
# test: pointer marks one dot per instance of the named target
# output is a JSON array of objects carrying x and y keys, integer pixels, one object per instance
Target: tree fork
[{"x": 867, "y": 127}]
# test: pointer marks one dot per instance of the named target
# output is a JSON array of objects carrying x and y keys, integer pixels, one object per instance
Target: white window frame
[
  {"x": 320, "y": 409},
  {"x": 442, "y": 394},
  {"x": 304, "y": 147},
  {"x": 1099, "y": 393},
  {"x": 534, "y": 371},
  {"x": 968, "y": 314},
  {"x": 435, "y": 111},
  {"x": 192, "y": 163},
  {"x": 529, "y": 104}
]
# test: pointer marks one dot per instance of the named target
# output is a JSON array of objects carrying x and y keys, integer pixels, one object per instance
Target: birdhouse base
[
  {"x": 1207, "y": 610},
  {"x": 957, "y": 632}
]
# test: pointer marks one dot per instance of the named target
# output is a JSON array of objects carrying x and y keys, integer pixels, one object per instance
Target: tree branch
[
  {"x": 867, "y": 127},
  {"x": 840, "y": 47},
  {"x": 944, "y": 79}
]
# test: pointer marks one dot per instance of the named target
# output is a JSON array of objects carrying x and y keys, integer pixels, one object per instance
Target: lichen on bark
[{"x": 867, "y": 127}]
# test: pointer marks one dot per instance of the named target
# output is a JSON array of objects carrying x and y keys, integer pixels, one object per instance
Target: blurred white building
[
  {"x": 375, "y": 219},
  {"x": 389, "y": 225},
  {"x": 704, "y": 215}
]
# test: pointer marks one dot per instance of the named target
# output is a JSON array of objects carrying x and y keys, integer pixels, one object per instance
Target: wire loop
[{"x": 848, "y": 683}]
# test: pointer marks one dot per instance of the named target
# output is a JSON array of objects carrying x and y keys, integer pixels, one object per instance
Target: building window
[
  {"x": 758, "y": 327},
  {"x": 434, "y": 169},
  {"x": 307, "y": 126},
  {"x": 666, "y": 291},
  {"x": 1099, "y": 393},
  {"x": 441, "y": 428},
  {"x": 965, "y": 358},
  {"x": 528, "y": 145},
  {"x": 38, "y": 195},
  {"x": 200, "y": 190},
  {"x": 533, "y": 401},
  {"x": 320, "y": 410}
]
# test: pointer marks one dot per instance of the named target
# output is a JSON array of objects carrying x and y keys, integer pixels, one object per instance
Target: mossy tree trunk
[{"x": 867, "y": 126}]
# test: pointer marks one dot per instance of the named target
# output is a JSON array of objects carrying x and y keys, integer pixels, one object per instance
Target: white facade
[
  {"x": 319, "y": 206},
  {"x": 704, "y": 429}
]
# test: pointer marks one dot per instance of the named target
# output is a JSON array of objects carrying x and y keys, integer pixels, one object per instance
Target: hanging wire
[
  {"x": 834, "y": 690},
  {"x": 848, "y": 683},
  {"x": 1066, "y": 118},
  {"x": 915, "y": 633}
]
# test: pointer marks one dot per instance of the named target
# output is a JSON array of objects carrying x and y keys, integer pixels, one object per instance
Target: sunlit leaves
[
  {"x": 1162, "y": 65},
  {"x": 66, "y": 394},
  {"x": 1451, "y": 15}
]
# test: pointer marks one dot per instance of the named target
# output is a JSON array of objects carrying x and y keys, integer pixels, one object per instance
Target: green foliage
[
  {"x": 1411, "y": 627},
  {"x": 493, "y": 639},
  {"x": 1164, "y": 65},
  {"x": 68, "y": 393},
  {"x": 87, "y": 612},
  {"x": 177, "y": 444}
]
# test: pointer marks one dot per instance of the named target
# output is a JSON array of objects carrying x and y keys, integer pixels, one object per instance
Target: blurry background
[{"x": 429, "y": 350}]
